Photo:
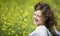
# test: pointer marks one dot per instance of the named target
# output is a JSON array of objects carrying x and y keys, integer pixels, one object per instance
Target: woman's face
[{"x": 38, "y": 17}]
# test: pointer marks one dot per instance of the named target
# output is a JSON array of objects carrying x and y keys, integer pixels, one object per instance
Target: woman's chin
[{"x": 35, "y": 23}]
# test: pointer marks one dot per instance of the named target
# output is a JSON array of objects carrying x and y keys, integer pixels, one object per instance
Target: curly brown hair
[{"x": 48, "y": 14}]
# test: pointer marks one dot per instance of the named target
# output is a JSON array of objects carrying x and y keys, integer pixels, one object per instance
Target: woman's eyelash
[{"x": 38, "y": 16}]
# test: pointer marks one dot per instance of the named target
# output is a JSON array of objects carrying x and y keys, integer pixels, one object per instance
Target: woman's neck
[{"x": 40, "y": 25}]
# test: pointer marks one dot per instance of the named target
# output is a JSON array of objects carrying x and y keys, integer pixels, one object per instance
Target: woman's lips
[{"x": 36, "y": 20}]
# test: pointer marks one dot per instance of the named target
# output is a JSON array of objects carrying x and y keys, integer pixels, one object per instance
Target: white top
[
  {"x": 57, "y": 33},
  {"x": 40, "y": 31}
]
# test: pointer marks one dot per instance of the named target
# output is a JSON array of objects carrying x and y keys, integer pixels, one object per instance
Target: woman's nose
[{"x": 34, "y": 17}]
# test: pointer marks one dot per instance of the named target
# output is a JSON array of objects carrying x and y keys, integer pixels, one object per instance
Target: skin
[
  {"x": 38, "y": 18},
  {"x": 54, "y": 27}
]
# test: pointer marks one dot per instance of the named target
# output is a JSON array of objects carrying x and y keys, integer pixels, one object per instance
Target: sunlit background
[{"x": 16, "y": 16}]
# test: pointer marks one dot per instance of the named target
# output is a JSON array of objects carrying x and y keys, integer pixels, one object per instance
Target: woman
[{"x": 44, "y": 18}]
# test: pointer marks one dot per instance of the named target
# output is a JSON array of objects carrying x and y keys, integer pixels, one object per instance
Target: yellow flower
[
  {"x": 2, "y": 8},
  {"x": 13, "y": 31},
  {"x": 25, "y": 19},
  {"x": 17, "y": 7},
  {"x": 26, "y": 13},
  {"x": 31, "y": 7},
  {"x": 1, "y": 18},
  {"x": 4, "y": 18},
  {"x": 21, "y": 11},
  {"x": 24, "y": 33},
  {"x": 3, "y": 28},
  {"x": 9, "y": 24},
  {"x": 8, "y": 33},
  {"x": 23, "y": 26},
  {"x": 18, "y": 28},
  {"x": 17, "y": 35},
  {"x": 10, "y": 29},
  {"x": 5, "y": 22}
]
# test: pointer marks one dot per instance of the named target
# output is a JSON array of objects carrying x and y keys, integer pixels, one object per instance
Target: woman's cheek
[{"x": 39, "y": 19}]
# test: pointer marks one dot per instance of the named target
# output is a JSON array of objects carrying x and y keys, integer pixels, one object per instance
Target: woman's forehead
[{"x": 38, "y": 12}]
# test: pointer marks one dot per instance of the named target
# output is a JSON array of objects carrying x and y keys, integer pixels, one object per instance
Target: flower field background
[{"x": 16, "y": 16}]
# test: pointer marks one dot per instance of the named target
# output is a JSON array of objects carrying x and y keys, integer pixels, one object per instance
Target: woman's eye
[{"x": 38, "y": 16}]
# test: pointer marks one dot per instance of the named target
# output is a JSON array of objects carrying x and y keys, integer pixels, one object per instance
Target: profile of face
[{"x": 38, "y": 18}]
